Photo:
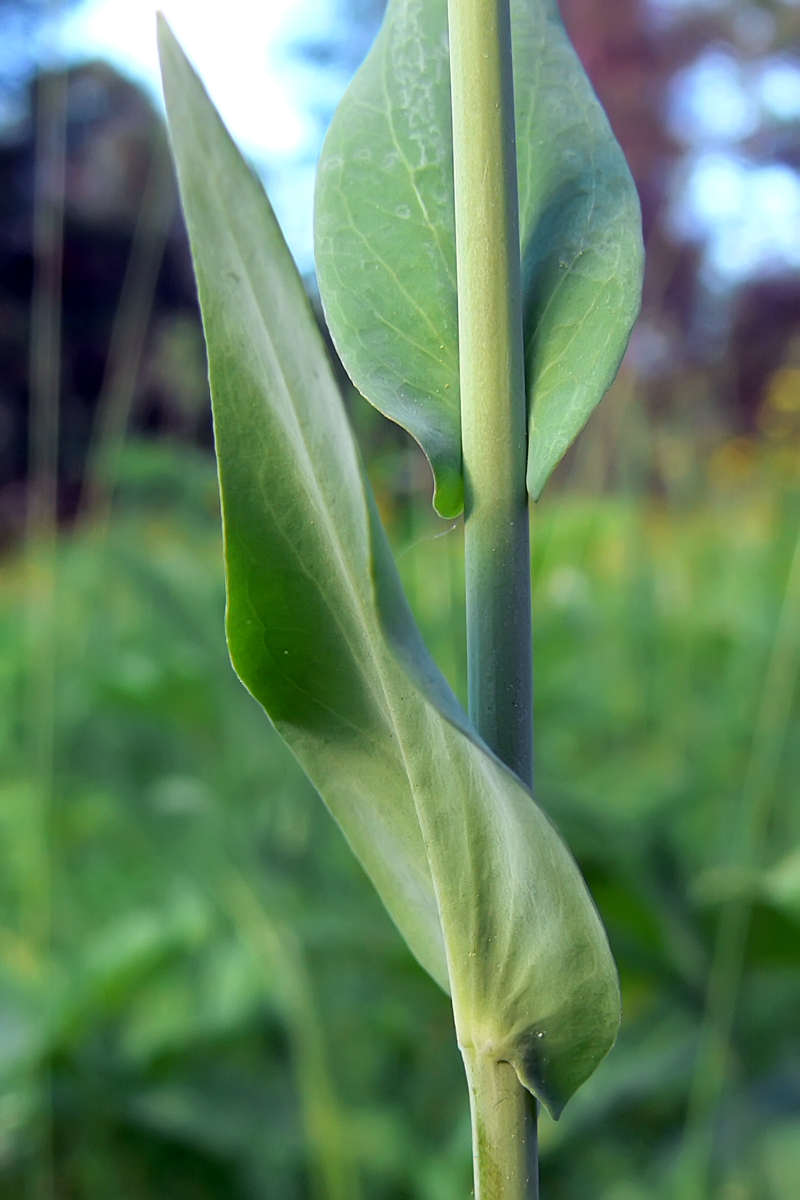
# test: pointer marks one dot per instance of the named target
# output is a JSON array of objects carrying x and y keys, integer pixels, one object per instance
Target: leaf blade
[
  {"x": 475, "y": 877},
  {"x": 391, "y": 301},
  {"x": 582, "y": 256},
  {"x": 300, "y": 695}
]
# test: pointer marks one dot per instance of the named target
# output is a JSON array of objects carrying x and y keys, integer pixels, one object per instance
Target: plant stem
[
  {"x": 41, "y": 546},
  {"x": 128, "y": 337},
  {"x": 493, "y": 407},
  {"x": 503, "y": 1131},
  {"x": 496, "y": 531},
  {"x": 280, "y": 954}
]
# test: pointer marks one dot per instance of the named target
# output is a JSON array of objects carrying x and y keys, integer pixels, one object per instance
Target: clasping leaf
[
  {"x": 474, "y": 875},
  {"x": 385, "y": 236}
]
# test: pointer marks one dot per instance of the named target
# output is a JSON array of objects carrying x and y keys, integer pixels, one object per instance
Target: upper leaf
[
  {"x": 385, "y": 236},
  {"x": 582, "y": 254},
  {"x": 474, "y": 875}
]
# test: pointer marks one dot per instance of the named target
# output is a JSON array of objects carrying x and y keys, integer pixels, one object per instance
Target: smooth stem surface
[
  {"x": 503, "y": 1131},
  {"x": 492, "y": 380},
  {"x": 496, "y": 532}
]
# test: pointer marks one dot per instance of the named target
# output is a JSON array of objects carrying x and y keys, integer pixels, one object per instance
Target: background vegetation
[{"x": 200, "y": 995}]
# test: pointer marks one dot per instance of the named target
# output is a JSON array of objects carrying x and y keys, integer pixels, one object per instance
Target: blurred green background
[{"x": 200, "y": 995}]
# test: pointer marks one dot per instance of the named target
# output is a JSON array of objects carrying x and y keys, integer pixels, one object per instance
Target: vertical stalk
[
  {"x": 334, "y": 1175},
  {"x": 493, "y": 408},
  {"x": 504, "y": 1146},
  {"x": 128, "y": 336},
  {"x": 41, "y": 537},
  {"x": 496, "y": 530}
]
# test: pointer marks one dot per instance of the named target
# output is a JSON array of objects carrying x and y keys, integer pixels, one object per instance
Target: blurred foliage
[
  {"x": 201, "y": 996},
  {"x": 181, "y": 916},
  {"x": 131, "y": 341}
]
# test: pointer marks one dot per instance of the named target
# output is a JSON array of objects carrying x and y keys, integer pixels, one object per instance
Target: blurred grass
[{"x": 224, "y": 1009}]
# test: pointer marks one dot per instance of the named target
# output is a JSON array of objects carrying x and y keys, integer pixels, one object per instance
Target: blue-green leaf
[
  {"x": 474, "y": 875},
  {"x": 385, "y": 236}
]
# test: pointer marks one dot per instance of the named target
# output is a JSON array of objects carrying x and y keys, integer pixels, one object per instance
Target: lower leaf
[{"x": 474, "y": 875}]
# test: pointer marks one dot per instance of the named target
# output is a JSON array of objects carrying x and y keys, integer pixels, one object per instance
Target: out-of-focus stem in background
[
  {"x": 128, "y": 338},
  {"x": 41, "y": 540},
  {"x": 751, "y": 823}
]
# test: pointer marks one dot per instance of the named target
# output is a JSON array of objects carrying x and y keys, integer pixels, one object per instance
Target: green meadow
[{"x": 200, "y": 994}]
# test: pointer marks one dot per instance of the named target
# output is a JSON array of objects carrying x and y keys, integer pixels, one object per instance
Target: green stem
[
  {"x": 128, "y": 337},
  {"x": 333, "y": 1169},
  {"x": 503, "y": 1131},
  {"x": 42, "y": 546},
  {"x": 496, "y": 531},
  {"x": 493, "y": 408}
]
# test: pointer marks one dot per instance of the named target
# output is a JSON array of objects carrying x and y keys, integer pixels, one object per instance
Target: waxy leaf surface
[
  {"x": 385, "y": 236},
  {"x": 472, "y": 872}
]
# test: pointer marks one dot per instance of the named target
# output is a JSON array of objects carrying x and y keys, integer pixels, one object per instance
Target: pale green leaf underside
[
  {"x": 385, "y": 236},
  {"x": 475, "y": 877}
]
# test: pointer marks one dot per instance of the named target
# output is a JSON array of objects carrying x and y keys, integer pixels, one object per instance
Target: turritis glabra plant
[{"x": 479, "y": 259}]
